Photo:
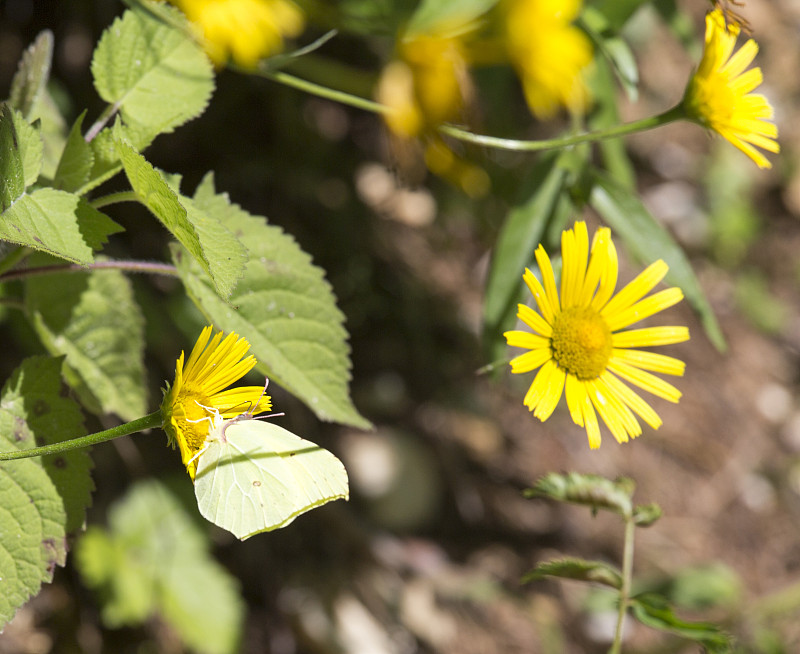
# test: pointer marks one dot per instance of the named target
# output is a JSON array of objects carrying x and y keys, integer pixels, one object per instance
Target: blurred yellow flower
[
  {"x": 425, "y": 85},
  {"x": 719, "y": 94},
  {"x": 550, "y": 55},
  {"x": 580, "y": 343},
  {"x": 197, "y": 392},
  {"x": 244, "y": 30}
]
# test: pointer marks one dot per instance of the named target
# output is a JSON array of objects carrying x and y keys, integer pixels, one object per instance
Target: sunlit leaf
[
  {"x": 156, "y": 74},
  {"x": 94, "y": 320},
  {"x": 283, "y": 306},
  {"x": 32, "y": 74},
  {"x": 43, "y": 499},
  {"x": 212, "y": 245}
]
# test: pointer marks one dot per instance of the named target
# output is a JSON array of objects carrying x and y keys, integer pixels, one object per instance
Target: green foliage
[
  {"x": 615, "y": 50},
  {"x": 56, "y": 222},
  {"x": 30, "y": 81},
  {"x": 542, "y": 199},
  {"x": 284, "y": 307},
  {"x": 42, "y": 500},
  {"x": 654, "y": 611},
  {"x": 77, "y": 160},
  {"x": 12, "y": 176},
  {"x": 590, "y": 490},
  {"x": 95, "y": 322},
  {"x": 153, "y": 560},
  {"x": 255, "y": 476},
  {"x": 211, "y": 244},
  {"x": 578, "y": 569},
  {"x": 154, "y": 73},
  {"x": 647, "y": 240}
]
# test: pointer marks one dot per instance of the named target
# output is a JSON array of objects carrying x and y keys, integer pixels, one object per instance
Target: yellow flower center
[{"x": 581, "y": 342}]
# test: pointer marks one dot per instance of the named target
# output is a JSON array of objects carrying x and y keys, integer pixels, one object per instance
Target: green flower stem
[
  {"x": 114, "y": 198},
  {"x": 676, "y": 113},
  {"x": 319, "y": 90},
  {"x": 129, "y": 266},
  {"x": 140, "y": 424},
  {"x": 652, "y": 122},
  {"x": 625, "y": 591}
]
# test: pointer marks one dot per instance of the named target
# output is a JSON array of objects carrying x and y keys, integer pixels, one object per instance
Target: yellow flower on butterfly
[
  {"x": 549, "y": 53},
  {"x": 244, "y": 30},
  {"x": 198, "y": 392},
  {"x": 425, "y": 84},
  {"x": 719, "y": 95},
  {"x": 580, "y": 342}
]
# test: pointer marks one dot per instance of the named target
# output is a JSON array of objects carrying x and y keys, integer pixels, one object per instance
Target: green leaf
[
  {"x": 590, "y": 490},
  {"x": 447, "y": 17},
  {"x": 106, "y": 162},
  {"x": 254, "y": 476},
  {"x": 154, "y": 560},
  {"x": 32, "y": 74},
  {"x": 605, "y": 114},
  {"x": 47, "y": 220},
  {"x": 579, "y": 569},
  {"x": 30, "y": 147},
  {"x": 617, "y": 12},
  {"x": 616, "y": 51},
  {"x": 12, "y": 176},
  {"x": 218, "y": 251},
  {"x": 654, "y": 611},
  {"x": 283, "y": 306},
  {"x": 57, "y": 222},
  {"x": 646, "y": 515},
  {"x": 647, "y": 240},
  {"x": 93, "y": 320},
  {"x": 521, "y": 233},
  {"x": 155, "y": 73},
  {"x": 41, "y": 501},
  {"x": 77, "y": 160}
]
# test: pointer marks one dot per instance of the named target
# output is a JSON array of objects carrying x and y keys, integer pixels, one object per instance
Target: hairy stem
[
  {"x": 140, "y": 424},
  {"x": 130, "y": 266},
  {"x": 625, "y": 591},
  {"x": 564, "y": 141},
  {"x": 114, "y": 198},
  {"x": 101, "y": 122}
]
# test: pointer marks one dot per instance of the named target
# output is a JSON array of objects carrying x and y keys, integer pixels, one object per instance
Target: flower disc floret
[{"x": 580, "y": 342}]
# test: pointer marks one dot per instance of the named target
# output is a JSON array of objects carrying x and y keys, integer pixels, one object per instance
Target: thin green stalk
[
  {"x": 140, "y": 424},
  {"x": 625, "y": 591},
  {"x": 128, "y": 266},
  {"x": 676, "y": 113},
  {"x": 318, "y": 90},
  {"x": 113, "y": 198},
  {"x": 564, "y": 141}
]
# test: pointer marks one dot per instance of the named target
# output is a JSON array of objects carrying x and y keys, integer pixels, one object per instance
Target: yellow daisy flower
[
  {"x": 244, "y": 30},
  {"x": 425, "y": 85},
  {"x": 550, "y": 55},
  {"x": 580, "y": 342},
  {"x": 719, "y": 95},
  {"x": 198, "y": 391}
]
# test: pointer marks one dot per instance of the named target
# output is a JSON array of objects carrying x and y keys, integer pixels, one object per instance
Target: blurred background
[{"x": 428, "y": 554}]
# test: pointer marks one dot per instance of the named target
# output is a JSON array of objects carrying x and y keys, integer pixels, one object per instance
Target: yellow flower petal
[{"x": 576, "y": 345}]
